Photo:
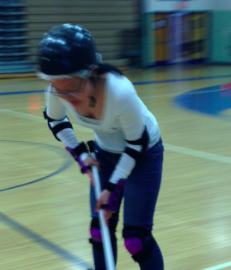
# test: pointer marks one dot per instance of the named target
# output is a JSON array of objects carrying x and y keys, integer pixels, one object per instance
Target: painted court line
[
  {"x": 66, "y": 255},
  {"x": 38, "y": 118},
  {"x": 135, "y": 83},
  {"x": 183, "y": 80},
  {"x": 196, "y": 153},
  {"x": 20, "y": 108},
  {"x": 23, "y": 115},
  {"x": 220, "y": 266},
  {"x": 169, "y": 147},
  {"x": 66, "y": 162},
  {"x": 191, "y": 92},
  {"x": 173, "y": 148}
]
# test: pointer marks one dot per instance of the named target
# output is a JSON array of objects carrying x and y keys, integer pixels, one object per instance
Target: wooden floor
[{"x": 44, "y": 212}]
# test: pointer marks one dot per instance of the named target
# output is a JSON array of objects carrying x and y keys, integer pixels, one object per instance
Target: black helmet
[{"x": 66, "y": 49}]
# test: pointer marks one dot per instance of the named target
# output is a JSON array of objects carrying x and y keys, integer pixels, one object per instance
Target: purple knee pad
[
  {"x": 96, "y": 235},
  {"x": 133, "y": 245}
]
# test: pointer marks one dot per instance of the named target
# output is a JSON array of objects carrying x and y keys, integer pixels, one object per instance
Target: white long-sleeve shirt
[{"x": 124, "y": 119}]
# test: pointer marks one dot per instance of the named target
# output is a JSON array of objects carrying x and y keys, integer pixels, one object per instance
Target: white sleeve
[
  {"x": 56, "y": 110},
  {"x": 132, "y": 121}
]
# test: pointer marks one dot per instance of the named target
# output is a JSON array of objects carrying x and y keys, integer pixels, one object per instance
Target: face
[{"x": 74, "y": 90}]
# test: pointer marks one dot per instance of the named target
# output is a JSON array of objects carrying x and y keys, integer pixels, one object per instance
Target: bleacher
[{"x": 23, "y": 23}]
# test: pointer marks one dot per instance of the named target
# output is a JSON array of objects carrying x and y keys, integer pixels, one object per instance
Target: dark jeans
[{"x": 141, "y": 188}]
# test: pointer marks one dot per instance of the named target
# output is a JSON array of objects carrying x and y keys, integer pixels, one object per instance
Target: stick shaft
[{"x": 108, "y": 253}]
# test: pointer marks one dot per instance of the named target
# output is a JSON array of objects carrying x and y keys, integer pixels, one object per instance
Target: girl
[{"x": 128, "y": 143}]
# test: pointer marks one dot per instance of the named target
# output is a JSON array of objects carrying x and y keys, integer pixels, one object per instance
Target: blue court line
[
  {"x": 184, "y": 80},
  {"x": 59, "y": 151},
  {"x": 44, "y": 242},
  {"x": 21, "y": 92},
  {"x": 30, "y": 234},
  {"x": 135, "y": 83}
]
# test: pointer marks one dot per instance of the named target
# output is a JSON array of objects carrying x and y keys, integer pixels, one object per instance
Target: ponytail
[{"x": 105, "y": 68}]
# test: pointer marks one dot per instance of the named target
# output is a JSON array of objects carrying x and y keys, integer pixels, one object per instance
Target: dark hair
[{"x": 104, "y": 68}]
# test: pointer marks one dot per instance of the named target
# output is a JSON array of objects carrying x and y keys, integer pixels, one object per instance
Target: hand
[
  {"x": 103, "y": 199},
  {"x": 89, "y": 161}
]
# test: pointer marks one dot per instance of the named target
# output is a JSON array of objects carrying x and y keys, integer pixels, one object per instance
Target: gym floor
[{"x": 44, "y": 214}]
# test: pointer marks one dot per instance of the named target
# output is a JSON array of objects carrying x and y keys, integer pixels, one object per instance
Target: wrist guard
[
  {"x": 76, "y": 152},
  {"x": 116, "y": 195}
]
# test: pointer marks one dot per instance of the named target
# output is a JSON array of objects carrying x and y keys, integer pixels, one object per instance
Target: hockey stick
[{"x": 108, "y": 254}]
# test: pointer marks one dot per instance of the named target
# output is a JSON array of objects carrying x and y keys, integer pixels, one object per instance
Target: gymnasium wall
[
  {"x": 222, "y": 5},
  {"x": 212, "y": 34},
  {"x": 171, "y": 34},
  {"x": 175, "y": 37},
  {"x": 221, "y": 32},
  {"x": 221, "y": 36},
  {"x": 163, "y": 5},
  {"x": 106, "y": 20}
]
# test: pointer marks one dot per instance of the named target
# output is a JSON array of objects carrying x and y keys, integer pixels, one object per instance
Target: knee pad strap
[
  {"x": 96, "y": 237},
  {"x": 95, "y": 232},
  {"x": 139, "y": 243},
  {"x": 144, "y": 254}
]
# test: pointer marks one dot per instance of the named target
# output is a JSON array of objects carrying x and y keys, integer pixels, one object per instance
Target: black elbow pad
[{"x": 56, "y": 129}]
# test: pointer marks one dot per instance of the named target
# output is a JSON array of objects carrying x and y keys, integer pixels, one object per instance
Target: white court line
[
  {"x": 23, "y": 115},
  {"x": 39, "y": 118},
  {"x": 220, "y": 266},
  {"x": 173, "y": 148},
  {"x": 196, "y": 153},
  {"x": 21, "y": 108}
]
